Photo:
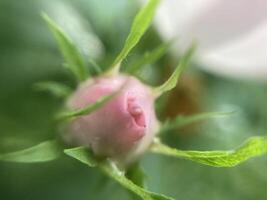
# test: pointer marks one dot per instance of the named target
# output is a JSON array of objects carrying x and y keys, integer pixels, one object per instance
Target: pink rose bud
[{"x": 122, "y": 128}]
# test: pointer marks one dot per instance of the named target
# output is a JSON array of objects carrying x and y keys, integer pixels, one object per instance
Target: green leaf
[
  {"x": 57, "y": 89},
  {"x": 74, "y": 60},
  {"x": 149, "y": 57},
  {"x": 181, "y": 121},
  {"x": 86, "y": 110},
  {"x": 109, "y": 168},
  {"x": 253, "y": 147},
  {"x": 172, "y": 81},
  {"x": 140, "y": 25},
  {"x": 43, "y": 152},
  {"x": 82, "y": 154}
]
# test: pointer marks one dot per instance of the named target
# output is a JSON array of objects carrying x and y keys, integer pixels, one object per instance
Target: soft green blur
[{"x": 28, "y": 54}]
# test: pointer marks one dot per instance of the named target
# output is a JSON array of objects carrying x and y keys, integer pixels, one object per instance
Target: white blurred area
[{"x": 231, "y": 35}]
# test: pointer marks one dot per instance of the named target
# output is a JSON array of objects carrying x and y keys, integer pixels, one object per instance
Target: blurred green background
[{"x": 28, "y": 54}]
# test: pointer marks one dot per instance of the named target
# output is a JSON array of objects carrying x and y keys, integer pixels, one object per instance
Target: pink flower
[{"x": 125, "y": 126}]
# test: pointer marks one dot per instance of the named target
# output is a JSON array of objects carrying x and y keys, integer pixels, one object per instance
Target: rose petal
[{"x": 123, "y": 125}]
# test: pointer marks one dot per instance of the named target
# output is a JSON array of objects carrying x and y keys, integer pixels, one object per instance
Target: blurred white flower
[{"x": 232, "y": 35}]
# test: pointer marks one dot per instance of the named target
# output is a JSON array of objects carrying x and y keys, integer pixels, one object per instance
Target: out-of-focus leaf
[
  {"x": 172, "y": 81},
  {"x": 140, "y": 25},
  {"x": 149, "y": 57},
  {"x": 88, "y": 109},
  {"x": 45, "y": 151},
  {"x": 56, "y": 89},
  {"x": 136, "y": 174},
  {"x": 74, "y": 59},
  {"x": 181, "y": 121},
  {"x": 108, "y": 167},
  {"x": 253, "y": 147},
  {"x": 96, "y": 67}
]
